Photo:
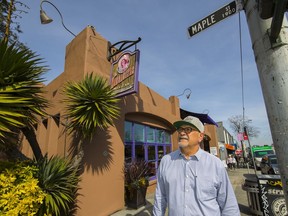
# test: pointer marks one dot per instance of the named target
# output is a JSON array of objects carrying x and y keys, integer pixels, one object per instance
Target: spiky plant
[
  {"x": 90, "y": 103},
  {"x": 21, "y": 88},
  {"x": 59, "y": 179}
]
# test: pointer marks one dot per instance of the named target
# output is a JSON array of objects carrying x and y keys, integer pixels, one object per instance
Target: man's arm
[
  {"x": 226, "y": 197},
  {"x": 160, "y": 199}
]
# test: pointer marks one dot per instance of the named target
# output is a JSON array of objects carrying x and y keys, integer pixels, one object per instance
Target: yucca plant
[
  {"x": 90, "y": 103},
  {"x": 59, "y": 179}
]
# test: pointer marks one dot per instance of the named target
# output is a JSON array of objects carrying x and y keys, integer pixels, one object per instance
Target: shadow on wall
[{"x": 97, "y": 153}]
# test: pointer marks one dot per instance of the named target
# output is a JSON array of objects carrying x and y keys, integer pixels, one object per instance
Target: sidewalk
[{"x": 236, "y": 178}]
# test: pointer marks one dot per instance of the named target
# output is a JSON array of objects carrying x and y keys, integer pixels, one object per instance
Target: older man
[{"x": 191, "y": 181}]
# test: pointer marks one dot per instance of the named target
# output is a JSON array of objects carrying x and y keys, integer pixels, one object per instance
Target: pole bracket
[{"x": 112, "y": 50}]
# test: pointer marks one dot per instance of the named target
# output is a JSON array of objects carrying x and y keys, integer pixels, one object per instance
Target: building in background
[{"x": 226, "y": 142}]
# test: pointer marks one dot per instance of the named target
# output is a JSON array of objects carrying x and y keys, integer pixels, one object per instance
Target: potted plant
[{"x": 136, "y": 175}]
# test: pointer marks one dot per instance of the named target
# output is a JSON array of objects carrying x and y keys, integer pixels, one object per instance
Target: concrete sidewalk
[{"x": 236, "y": 178}]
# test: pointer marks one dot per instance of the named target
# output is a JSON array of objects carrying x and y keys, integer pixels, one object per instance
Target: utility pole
[{"x": 271, "y": 55}]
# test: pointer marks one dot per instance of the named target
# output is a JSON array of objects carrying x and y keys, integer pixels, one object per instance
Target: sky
[{"x": 209, "y": 63}]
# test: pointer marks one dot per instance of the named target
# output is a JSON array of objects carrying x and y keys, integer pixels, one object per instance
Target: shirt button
[
  {"x": 185, "y": 206},
  {"x": 187, "y": 190},
  {"x": 186, "y": 176}
]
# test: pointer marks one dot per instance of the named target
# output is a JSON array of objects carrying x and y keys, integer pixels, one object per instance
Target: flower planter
[{"x": 136, "y": 198}]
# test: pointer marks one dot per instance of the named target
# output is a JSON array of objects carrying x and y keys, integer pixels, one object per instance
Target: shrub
[
  {"x": 136, "y": 174},
  {"x": 20, "y": 193}
]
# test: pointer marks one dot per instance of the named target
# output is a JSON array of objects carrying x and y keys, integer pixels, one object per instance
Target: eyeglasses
[{"x": 187, "y": 130}]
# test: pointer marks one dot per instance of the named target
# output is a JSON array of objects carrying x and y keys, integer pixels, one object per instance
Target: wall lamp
[
  {"x": 45, "y": 19},
  {"x": 188, "y": 94}
]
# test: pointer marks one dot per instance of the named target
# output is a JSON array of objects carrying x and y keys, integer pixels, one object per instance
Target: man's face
[{"x": 189, "y": 136}]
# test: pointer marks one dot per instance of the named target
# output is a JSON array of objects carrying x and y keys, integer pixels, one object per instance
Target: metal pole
[{"x": 271, "y": 60}]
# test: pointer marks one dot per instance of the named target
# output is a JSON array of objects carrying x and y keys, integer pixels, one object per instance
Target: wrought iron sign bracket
[{"x": 112, "y": 50}]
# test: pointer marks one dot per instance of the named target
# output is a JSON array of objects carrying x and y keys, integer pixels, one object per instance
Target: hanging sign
[{"x": 124, "y": 73}]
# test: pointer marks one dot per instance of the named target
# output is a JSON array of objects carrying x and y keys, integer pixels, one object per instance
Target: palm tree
[{"x": 21, "y": 94}]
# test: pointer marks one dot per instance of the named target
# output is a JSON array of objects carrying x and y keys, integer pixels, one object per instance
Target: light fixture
[
  {"x": 46, "y": 19},
  {"x": 187, "y": 95}
]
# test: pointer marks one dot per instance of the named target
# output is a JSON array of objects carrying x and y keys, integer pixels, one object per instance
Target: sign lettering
[{"x": 213, "y": 18}]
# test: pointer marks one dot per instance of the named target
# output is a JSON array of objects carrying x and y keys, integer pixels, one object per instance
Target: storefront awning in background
[
  {"x": 230, "y": 147},
  {"x": 204, "y": 118}
]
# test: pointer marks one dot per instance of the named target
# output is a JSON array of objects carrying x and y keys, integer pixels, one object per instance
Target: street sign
[{"x": 215, "y": 17}]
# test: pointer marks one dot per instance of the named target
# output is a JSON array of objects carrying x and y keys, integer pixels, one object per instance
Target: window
[{"x": 146, "y": 142}]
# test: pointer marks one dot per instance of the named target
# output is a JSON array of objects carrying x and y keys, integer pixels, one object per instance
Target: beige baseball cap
[{"x": 192, "y": 121}]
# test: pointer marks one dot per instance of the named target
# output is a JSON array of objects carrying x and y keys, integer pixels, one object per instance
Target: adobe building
[{"x": 144, "y": 116}]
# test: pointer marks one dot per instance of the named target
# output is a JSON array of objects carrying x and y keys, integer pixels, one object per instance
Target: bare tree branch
[{"x": 237, "y": 124}]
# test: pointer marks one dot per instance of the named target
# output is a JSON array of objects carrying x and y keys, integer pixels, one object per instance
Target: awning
[
  {"x": 204, "y": 118},
  {"x": 230, "y": 147}
]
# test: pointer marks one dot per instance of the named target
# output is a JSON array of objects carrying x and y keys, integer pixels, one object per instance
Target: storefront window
[
  {"x": 140, "y": 152},
  {"x": 159, "y": 136},
  {"x": 146, "y": 142},
  {"x": 160, "y": 152},
  {"x": 150, "y": 135},
  {"x": 151, "y": 152},
  {"x": 167, "y": 137},
  {"x": 139, "y": 132},
  {"x": 128, "y": 131},
  {"x": 128, "y": 153}
]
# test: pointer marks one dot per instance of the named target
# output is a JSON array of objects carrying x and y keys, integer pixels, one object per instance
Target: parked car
[{"x": 269, "y": 165}]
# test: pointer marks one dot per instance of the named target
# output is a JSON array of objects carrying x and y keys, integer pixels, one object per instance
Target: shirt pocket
[{"x": 206, "y": 188}]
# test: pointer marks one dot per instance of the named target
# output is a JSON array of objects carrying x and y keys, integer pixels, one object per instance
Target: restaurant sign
[{"x": 124, "y": 73}]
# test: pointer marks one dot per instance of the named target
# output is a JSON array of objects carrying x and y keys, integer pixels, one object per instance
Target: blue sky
[{"x": 209, "y": 63}]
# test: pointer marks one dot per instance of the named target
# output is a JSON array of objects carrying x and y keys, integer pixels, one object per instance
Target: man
[{"x": 192, "y": 182}]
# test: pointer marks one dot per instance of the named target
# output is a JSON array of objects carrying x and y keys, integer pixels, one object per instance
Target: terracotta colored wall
[{"x": 210, "y": 130}]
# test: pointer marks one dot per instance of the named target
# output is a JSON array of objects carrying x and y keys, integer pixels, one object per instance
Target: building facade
[{"x": 143, "y": 130}]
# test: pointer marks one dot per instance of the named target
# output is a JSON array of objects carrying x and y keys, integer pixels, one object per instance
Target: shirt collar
[{"x": 198, "y": 154}]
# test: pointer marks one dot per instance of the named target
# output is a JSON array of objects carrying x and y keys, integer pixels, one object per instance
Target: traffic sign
[{"x": 215, "y": 17}]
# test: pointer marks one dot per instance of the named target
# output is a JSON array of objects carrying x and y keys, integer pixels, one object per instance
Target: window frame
[{"x": 166, "y": 145}]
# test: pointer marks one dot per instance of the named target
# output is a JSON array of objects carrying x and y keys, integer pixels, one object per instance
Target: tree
[
  {"x": 22, "y": 104},
  {"x": 21, "y": 94},
  {"x": 237, "y": 124},
  {"x": 90, "y": 104},
  {"x": 10, "y": 11}
]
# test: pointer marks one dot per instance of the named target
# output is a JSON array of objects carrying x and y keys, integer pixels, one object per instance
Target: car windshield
[
  {"x": 273, "y": 160},
  {"x": 262, "y": 153}
]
